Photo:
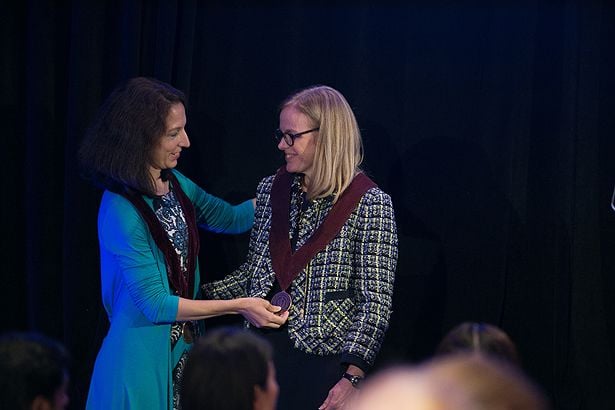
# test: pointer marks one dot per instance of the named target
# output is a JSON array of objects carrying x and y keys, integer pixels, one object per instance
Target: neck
[{"x": 305, "y": 183}]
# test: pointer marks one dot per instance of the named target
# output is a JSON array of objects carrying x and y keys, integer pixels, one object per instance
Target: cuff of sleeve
[
  {"x": 247, "y": 208},
  {"x": 169, "y": 309},
  {"x": 349, "y": 358}
]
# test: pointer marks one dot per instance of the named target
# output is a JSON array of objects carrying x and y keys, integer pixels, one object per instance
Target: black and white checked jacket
[{"x": 342, "y": 299}]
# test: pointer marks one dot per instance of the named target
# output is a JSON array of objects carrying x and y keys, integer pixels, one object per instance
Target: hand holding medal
[
  {"x": 283, "y": 300},
  {"x": 260, "y": 313}
]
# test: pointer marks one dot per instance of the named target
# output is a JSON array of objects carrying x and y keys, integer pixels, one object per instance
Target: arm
[
  {"x": 236, "y": 283},
  {"x": 375, "y": 259},
  {"x": 215, "y": 214},
  {"x": 128, "y": 258},
  {"x": 374, "y": 263},
  {"x": 258, "y": 312},
  {"x": 126, "y": 240}
]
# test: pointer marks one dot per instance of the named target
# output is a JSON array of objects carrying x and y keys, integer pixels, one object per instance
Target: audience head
[
  {"x": 453, "y": 382},
  {"x": 33, "y": 372},
  {"x": 479, "y": 338},
  {"x": 119, "y": 147},
  {"x": 229, "y": 369},
  {"x": 339, "y": 150}
]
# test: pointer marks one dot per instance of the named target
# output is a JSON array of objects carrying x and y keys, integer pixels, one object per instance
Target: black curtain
[{"x": 490, "y": 123}]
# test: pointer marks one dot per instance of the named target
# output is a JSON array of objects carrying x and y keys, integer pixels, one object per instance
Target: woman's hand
[
  {"x": 261, "y": 313},
  {"x": 340, "y": 396}
]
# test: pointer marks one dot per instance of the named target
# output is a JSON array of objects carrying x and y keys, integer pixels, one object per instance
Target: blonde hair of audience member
[
  {"x": 479, "y": 338},
  {"x": 453, "y": 382},
  {"x": 339, "y": 148}
]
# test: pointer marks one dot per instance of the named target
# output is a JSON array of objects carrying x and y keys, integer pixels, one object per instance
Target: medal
[{"x": 283, "y": 300}]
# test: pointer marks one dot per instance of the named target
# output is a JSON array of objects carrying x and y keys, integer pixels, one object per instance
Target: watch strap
[{"x": 353, "y": 379}]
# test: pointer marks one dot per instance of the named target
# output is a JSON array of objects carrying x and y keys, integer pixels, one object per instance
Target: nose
[
  {"x": 185, "y": 142},
  {"x": 282, "y": 145}
]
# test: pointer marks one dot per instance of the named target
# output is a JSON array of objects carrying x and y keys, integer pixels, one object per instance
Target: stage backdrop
[{"x": 491, "y": 124}]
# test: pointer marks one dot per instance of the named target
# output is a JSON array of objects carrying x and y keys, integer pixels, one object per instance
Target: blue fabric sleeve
[
  {"x": 125, "y": 238},
  {"x": 215, "y": 214}
]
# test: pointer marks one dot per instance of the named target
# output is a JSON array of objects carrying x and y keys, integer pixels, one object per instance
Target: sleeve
[
  {"x": 236, "y": 283},
  {"x": 215, "y": 214},
  {"x": 374, "y": 263},
  {"x": 125, "y": 240}
]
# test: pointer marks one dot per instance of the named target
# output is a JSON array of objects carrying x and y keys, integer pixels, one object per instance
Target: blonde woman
[{"x": 323, "y": 247}]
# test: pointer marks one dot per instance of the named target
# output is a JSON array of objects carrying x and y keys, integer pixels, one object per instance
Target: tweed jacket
[{"x": 342, "y": 299}]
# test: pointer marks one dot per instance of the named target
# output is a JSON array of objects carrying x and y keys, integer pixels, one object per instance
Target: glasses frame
[{"x": 288, "y": 137}]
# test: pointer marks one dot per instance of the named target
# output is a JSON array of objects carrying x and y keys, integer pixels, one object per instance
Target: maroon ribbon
[
  {"x": 178, "y": 281},
  {"x": 287, "y": 264}
]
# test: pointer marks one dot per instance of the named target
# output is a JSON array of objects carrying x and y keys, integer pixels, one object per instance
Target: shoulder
[
  {"x": 186, "y": 183},
  {"x": 264, "y": 185},
  {"x": 117, "y": 213},
  {"x": 377, "y": 196}
]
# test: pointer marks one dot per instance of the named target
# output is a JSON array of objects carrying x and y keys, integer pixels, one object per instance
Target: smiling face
[
  {"x": 167, "y": 150},
  {"x": 300, "y": 156}
]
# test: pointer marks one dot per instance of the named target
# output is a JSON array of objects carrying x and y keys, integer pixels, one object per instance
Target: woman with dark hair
[
  {"x": 149, "y": 243},
  {"x": 323, "y": 246},
  {"x": 230, "y": 369}
]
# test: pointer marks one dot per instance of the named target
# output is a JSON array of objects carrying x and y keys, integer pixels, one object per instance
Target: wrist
[
  {"x": 240, "y": 305},
  {"x": 355, "y": 380}
]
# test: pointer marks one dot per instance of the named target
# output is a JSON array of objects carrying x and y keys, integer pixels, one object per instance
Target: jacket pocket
[{"x": 337, "y": 295}]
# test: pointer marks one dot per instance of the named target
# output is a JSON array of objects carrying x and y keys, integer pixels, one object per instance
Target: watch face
[{"x": 354, "y": 380}]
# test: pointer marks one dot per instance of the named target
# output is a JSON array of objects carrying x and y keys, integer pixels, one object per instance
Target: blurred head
[
  {"x": 489, "y": 383},
  {"x": 479, "y": 338},
  {"x": 330, "y": 156},
  {"x": 33, "y": 372},
  {"x": 138, "y": 131},
  {"x": 232, "y": 369},
  {"x": 454, "y": 382},
  {"x": 404, "y": 388}
]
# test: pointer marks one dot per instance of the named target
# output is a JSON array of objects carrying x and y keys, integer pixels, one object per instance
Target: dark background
[{"x": 490, "y": 123}]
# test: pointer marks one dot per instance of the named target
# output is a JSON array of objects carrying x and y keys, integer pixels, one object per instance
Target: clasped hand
[{"x": 261, "y": 313}]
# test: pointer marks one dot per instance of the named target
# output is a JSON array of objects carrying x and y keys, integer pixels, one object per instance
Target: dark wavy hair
[
  {"x": 117, "y": 149},
  {"x": 223, "y": 368},
  {"x": 31, "y": 365}
]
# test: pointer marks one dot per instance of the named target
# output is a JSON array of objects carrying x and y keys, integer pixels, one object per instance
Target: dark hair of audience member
[
  {"x": 223, "y": 369},
  {"x": 32, "y": 367},
  {"x": 479, "y": 338}
]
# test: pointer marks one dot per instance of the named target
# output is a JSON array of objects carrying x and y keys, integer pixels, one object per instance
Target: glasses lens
[{"x": 279, "y": 135}]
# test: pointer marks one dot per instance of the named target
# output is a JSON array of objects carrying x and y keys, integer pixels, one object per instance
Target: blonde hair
[{"x": 339, "y": 148}]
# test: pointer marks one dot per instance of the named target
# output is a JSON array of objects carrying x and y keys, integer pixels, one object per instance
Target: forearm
[
  {"x": 258, "y": 312},
  {"x": 189, "y": 309}
]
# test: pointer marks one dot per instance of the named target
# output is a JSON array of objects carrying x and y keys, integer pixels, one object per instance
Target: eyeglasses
[{"x": 289, "y": 138}]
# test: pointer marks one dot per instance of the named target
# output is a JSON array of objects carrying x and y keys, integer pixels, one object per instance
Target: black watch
[{"x": 353, "y": 379}]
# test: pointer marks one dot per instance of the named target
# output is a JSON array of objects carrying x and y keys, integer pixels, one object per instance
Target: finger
[
  {"x": 274, "y": 308},
  {"x": 281, "y": 318},
  {"x": 325, "y": 404}
]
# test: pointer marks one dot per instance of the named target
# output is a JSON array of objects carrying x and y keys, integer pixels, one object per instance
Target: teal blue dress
[{"x": 134, "y": 366}]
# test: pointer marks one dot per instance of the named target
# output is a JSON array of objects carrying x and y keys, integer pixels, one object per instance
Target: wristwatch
[{"x": 353, "y": 379}]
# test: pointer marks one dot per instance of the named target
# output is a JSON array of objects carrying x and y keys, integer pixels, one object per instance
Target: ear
[
  {"x": 40, "y": 403},
  {"x": 259, "y": 398}
]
